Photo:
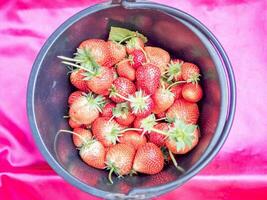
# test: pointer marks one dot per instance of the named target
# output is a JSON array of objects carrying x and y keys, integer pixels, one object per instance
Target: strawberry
[
  {"x": 122, "y": 114},
  {"x": 74, "y": 124},
  {"x": 121, "y": 86},
  {"x": 84, "y": 133},
  {"x": 107, "y": 109},
  {"x": 137, "y": 58},
  {"x": 163, "y": 99},
  {"x": 177, "y": 91},
  {"x": 117, "y": 53},
  {"x": 148, "y": 78},
  {"x": 137, "y": 122},
  {"x": 125, "y": 70},
  {"x": 101, "y": 81},
  {"x": 192, "y": 92},
  {"x": 133, "y": 138},
  {"x": 183, "y": 110},
  {"x": 133, "y": 44},
  {"x": 161, "y": 115},
  {"x": 106, "y": 131},
  {"x": 156, "y": 138},
  {"x": 148, "y": 159},
  {"x": 158, "y": 57},
  {"x": 182, "y": 137},
  {"x": 73, "y": 96},
  {"x": 77, "y": 79},
  {"x": 190, "y": 72},
  {"x": 174, "y": 70},
  {"x": 86, "y": 109},
  {"x": 115, "y": 75},
  {"x": 119, "y": 159},
  {"x": 93, "y": 153},
  {"x": 97, "y": 50}
]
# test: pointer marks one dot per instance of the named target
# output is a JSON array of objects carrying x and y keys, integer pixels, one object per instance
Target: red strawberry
[
  {"x": 133, "y": 138},
  {"x": 117, "y": 53},
  {"x": 101, "y": 81},
  {"x": 177, "y": 91},
  {"x": 137, "y": 122},
  {"x": 182, "y": 137},
  {"x": 97, "y": 50},
  {"x": 125, "y": 70},
  {"x": 141, "y": 104},
  {"x": 119, "y": 159},
  {"x": 161, "y": 115},
  {"x": 73, "y": 96},
  {"x": 74, "y": 124},
  {"x": 123, "y": 115},
  {"x": 121, "y": 86},
  {"x": 148, "y": 78},
  {"x": 183, "y": 110},
  {"x": 174, "y": 70},
  {"x": 107, "y": 109},
  {"x": 137, "y": 58},
  {"x": 106, "y": 131},
  {"x": 190, "y": 72},
  {"x": 163, "y": 99},
  {"x": 148, "y": 159},
  {"x": 115, "y": 75},
  {"x": 77, "y": 79},
  {"x": 84, "y": 133},
  {"x": 158, "y": 57},
  {"x": 192, "y": 92},
  {"x": 133, "y": 44},
  {"x": 93, "y": 153},
  {"x": 86, "y": 109},
  {"x": 156, "y": 138}
]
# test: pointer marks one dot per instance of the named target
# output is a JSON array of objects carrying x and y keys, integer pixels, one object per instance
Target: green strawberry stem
[
  {"x": 70, "y": 132},
  {"x": 163, "y": 118},
  {"x": 78, "y": 66},
  {"x": 159, "y": 131},
  {"x": 126, "y": 38},
  {"x": 68, "y": 59},
  {"x": 131, "y": 129},
  {"x": 175, "y": 83},
  {"x": 147, "y": 60},
  {"x": 110, "y": 175},
  {"x": 123, "y": 97},
  {"x": 66, "y": 117},
  {"x": 175, "y": 162}
]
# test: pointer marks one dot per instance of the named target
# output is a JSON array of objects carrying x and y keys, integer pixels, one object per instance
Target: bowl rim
[{"x": 136, "y": 192}]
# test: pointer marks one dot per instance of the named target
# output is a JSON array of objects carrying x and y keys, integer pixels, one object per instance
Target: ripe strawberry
[
  {"x": 174, "y": 70},
  {"x": 141, "y": 104},
  {"x": 117, "y": 53},
  {"x": 77, "y": 79},
  {"x": 158, "y": 57},
  {"x": 192, "y": 92},
  {"x": 156, "y": 138},
  {"x": 137, "y": 122},
  {"x": 190, "y": 72},
  {"x": 73, "y": 96},
  {"x": 148, "y": 78},
  {"x": 125, "y": 70},
  {"x": 119, "y": 159},
  {"x": 133, "y": 138},
  {"x": 161, "y": 115},
  {"x": 101, "y": 81},
  {"x": 123, "y": 115},
  {"x": 96, "y": 49},
  {"x": 148, "y": 159},
  {"x": 115, "y": 75},
  {"x": 84, "y": 133},
  {"x": 182, "y": 137},
  {"x": 74, "y": 124},
  {"x": 137, "y": 58},
  {"x": 183, "y": 110},
  {"x": 177, "y": 91},
  {"x": 86, "y": 109},
  {"x": 106, "y": 131},
  {"x": 133, "y": 44},
  {"x": 93, "y": 153},
  {"x": 163, "y": 99},
  {"x": 107, "y": 109},
  {"x": 123, "y": 87}
]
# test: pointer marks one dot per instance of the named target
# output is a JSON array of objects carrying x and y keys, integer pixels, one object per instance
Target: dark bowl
[{"x": 166, "y": 27}]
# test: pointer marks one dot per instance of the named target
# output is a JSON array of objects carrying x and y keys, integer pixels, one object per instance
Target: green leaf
[
  {"x": 121, "y": 34},
  {"x": 190, "y": 129}
]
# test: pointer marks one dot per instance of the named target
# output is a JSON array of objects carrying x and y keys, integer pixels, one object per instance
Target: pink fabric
[{"x": 238, "y": 171}]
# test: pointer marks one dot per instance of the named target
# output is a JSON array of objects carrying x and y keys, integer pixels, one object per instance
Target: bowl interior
[{"x": 52, "y": 88}]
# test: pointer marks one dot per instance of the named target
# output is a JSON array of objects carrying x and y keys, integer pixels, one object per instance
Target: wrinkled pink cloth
[{"x": 239, "y": 171}]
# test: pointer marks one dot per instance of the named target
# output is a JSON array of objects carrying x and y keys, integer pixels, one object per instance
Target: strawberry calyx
[
  {"x": 194, "y": 78},
  {"x": 96, "y": 102},
  {"x": 174, "y": 69},
  {"x": 113, "y": 132},
  {"x": 112, "y": 168},
  {"x": 138, "y": 101},
  {"x": 121, "y": 110},
  {"x": 182, "y": 134},
  {"x": 148, "y": 123}
]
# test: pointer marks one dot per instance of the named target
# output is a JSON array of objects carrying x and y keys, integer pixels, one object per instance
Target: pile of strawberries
[{"x": 134, "y": 106}]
